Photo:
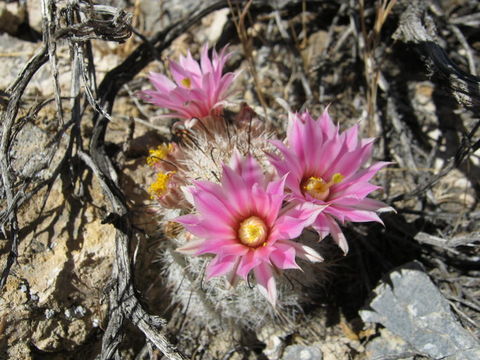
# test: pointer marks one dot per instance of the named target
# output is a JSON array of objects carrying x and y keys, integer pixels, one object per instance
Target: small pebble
[
  {"x": 301, "y": 352},
  {"x": 49, "y": 313},
  {"x": 68, "y": 314},
  {"x": 80, "y": 311}
]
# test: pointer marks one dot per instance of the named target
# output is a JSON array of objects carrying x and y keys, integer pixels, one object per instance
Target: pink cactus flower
[
  {"x": 242, "y": 222},
  {"x": 198, "y": 89},
  {"x": 327, "y": 168}
]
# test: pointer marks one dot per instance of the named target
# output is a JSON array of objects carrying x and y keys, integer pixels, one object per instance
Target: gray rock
[
  {"x": 80, "y": 311},
  {"x": 411, "y": 306},
  {"x": 11, "y": 16},
  {"x": 389, "y": 346},
  {"x": 49, "y": 313},
  {"x": 301, "y": 352},
  {"x": 26, "y": 154},
  {"x": 34, "y": 10},
  {"x": 157, "y": 15}
]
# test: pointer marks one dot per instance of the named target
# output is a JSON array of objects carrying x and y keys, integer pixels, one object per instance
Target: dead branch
[
  {"x": 8, "y": 119},
  {"x": 416, "y": 28},
  {"x": 100, "y": 22}
]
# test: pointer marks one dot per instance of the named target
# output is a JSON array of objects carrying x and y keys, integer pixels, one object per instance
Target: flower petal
[
  {"x": 248, "y": 262},
  {"x": 291, "y": 224},
  {"x": 220, "y": 265},
  {"x": 197, "y": 89},
  {"x": 304, "y": 251},
  {"x": 236, "y": 191},
  {"x": 283, "y": 257},
  {"x": 266, "y": 282},
  {"x": 337, "y": 234}
]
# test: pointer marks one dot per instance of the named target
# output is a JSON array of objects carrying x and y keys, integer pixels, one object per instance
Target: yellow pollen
[
  {"x": 160, "y": 186},
  {"x": 253, "y": 232},
  {"x": 158, "y": 154},
  {"x": 186, "y": 82},
  {"x": 337, "y": 178},
  {"x": 317, "y": 187}
]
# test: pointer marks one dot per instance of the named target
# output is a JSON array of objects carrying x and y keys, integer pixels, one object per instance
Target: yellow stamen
[
  {"x": 337, "y": 178},
  {"x": 317, "y": 187},
  {"x": 253, "y": 232},
  {"x": 160, "y": 186},
  {"x": 187, "y": 82},
  {"x": 158, "y": 154}
]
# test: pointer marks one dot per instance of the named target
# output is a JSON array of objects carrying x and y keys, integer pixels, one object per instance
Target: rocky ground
[{"x": 407, "y": 74}]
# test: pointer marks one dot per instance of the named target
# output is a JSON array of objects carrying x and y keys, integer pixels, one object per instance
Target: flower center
[
  {"x": 159, "y": 187},
  {"x": 187, "y": 82},
  {"x": 160, "y": 153},
  {"x": 318, "y": 188},
  {"x": 253, "y": 232}
]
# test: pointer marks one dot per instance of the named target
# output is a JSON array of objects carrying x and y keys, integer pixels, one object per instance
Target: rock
[
  {"x": 411, "y": 306},
  {"x": 34, "y": 13},
  {"x": 11, "y": 17},
  {"x": 302, "y": 352},
  {"x": 389, "y": 346},
  {"x": 315, "y": 47},
  {"x": 273, "y": 339},
  {"x": 18, "y": 53},
  {"x": 336, "y": 348},
  {"x": 159, "y": 14},
  {"x": 65, "y": 264},
  {"x": 212, "y": 27}
]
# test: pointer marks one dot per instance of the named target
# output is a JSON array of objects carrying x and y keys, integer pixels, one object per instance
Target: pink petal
[
  {"x": 236, "y": 191},
  {"x": 296, "y": 135},
  {"x": 189, "y": 63},
  {"x": 232, "y": 276},
  {"x": 266, "y": 282},
  {"x": 283, "y": 257},
  {"x": 275, "y": 189},
  {"x": 326, "y": 124},
  {"x": 190, "y": 219},
  {"x": 179, "y": 73},
  {"x": 205, "y": 62},
  {"x": 337, "y": 235},
  {"x": 304, "y": 251},
  {"x": 209, "y": 87},
  {"x": 234, "y": 249},
  {"x": 204, "y": 227},
  {"x": 291, "y": 224},
  {"x": 351, "y": 137},
  {"x": 291, "y": 160},
  {"x": 350, "y": 162},
  {"x": 262, "y": 205},
  {"x": 373, "y": 205},
  {"x": 214, "y": 246},
  {"x": 224, "y": 85},
  {"x": 247, "y": 168},
  {"x": 212, "y": 207},
  {"x": 328, "y": 154},
  {"x": 354, "y": 215},
  {"x": 363, "y": 175},
  {"x": 355, "y": 190},
  {"x": 191, "y": 247},
  {"x": 248, "y": 262},
  {"x": 321, "y": 226},
  {"x": 313, "y": 140},
  {"x": 161, "y": 82},
  {"x": 220, "y": 265}
]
